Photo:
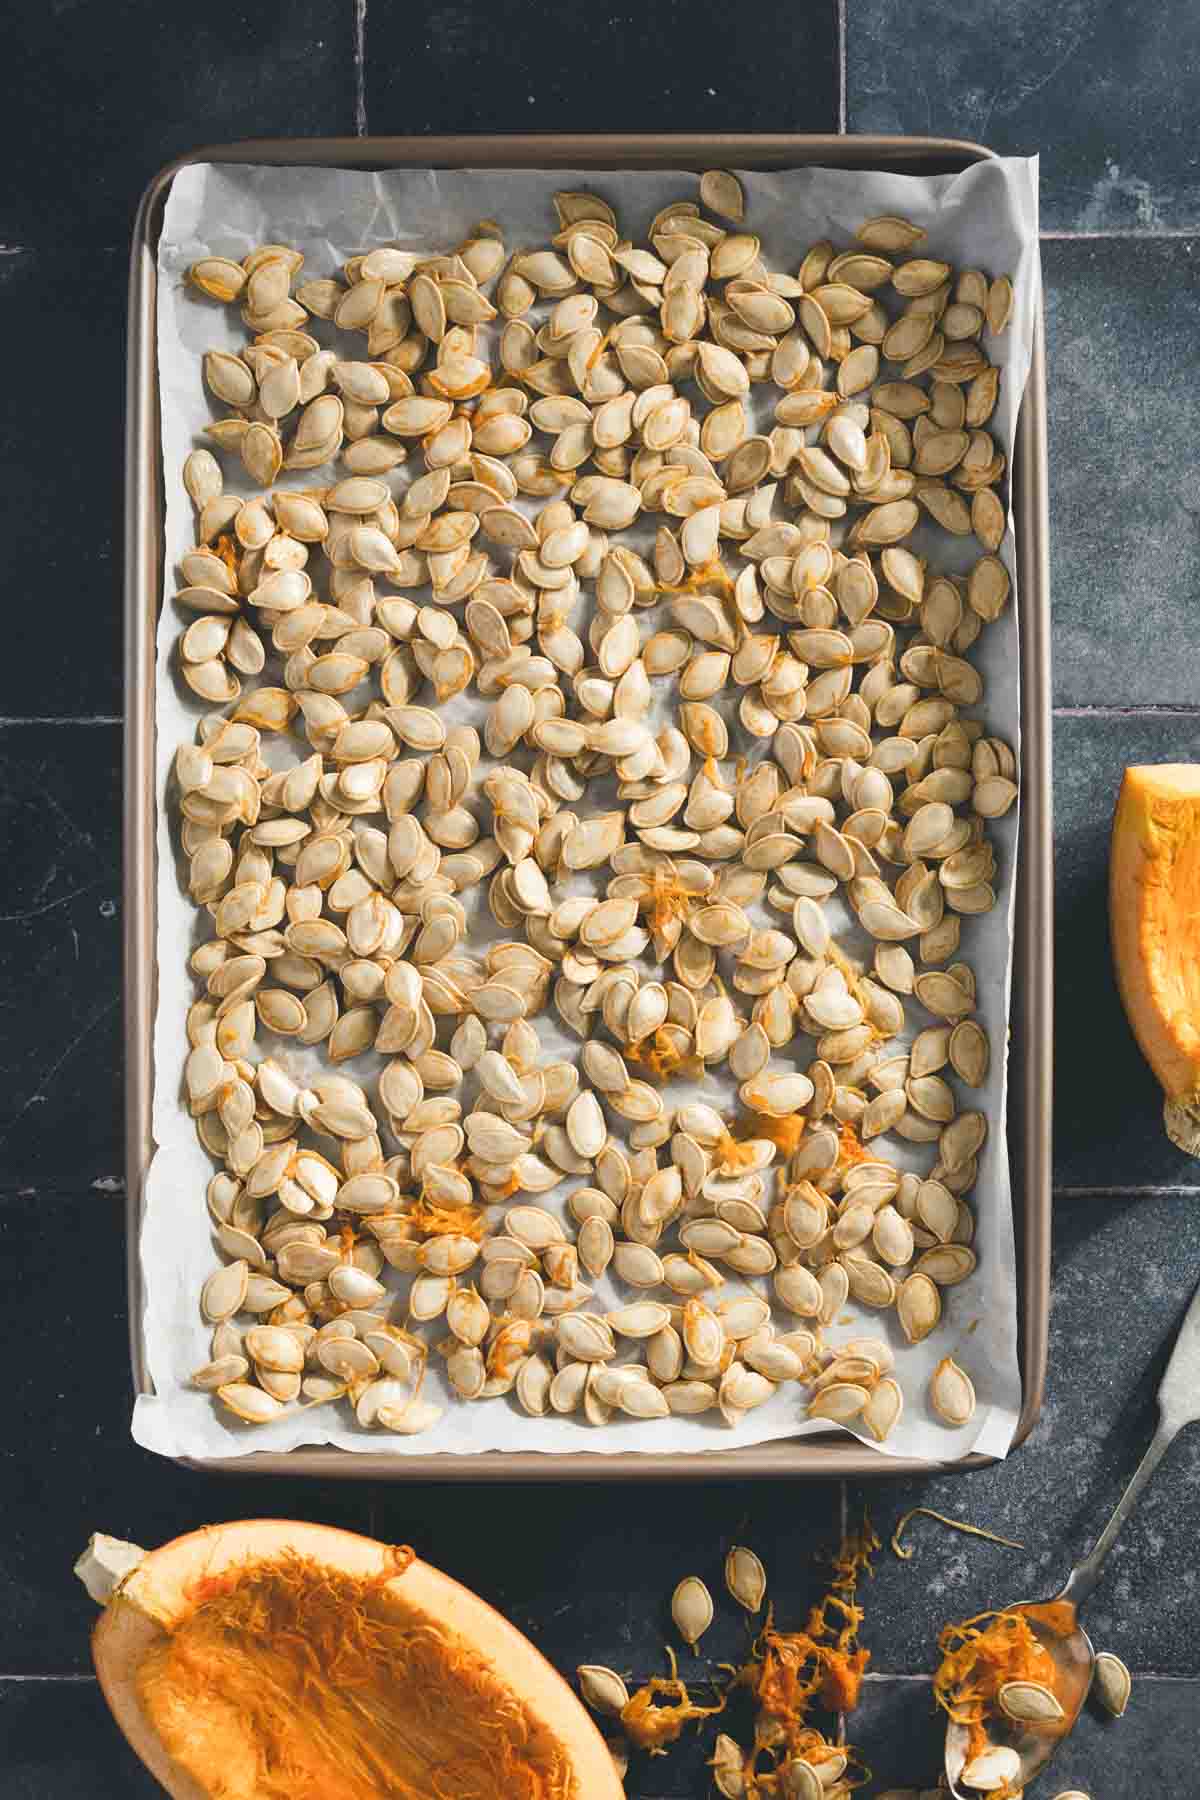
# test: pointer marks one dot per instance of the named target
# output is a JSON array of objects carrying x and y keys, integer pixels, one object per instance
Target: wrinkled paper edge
[{"x": 986, "y": 216}]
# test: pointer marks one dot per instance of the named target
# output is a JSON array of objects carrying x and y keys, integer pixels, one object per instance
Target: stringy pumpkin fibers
[{"x": 289, "y": 1680}]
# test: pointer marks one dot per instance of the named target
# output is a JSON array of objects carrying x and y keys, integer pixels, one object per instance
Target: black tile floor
[
  {"x": 1107, "y": 91},
  {"x": 1120, "y": 324},
  {"x": 1104, "y": 90},
  {"x": 513, "y": 66},
  {"x": 97, "y": 99},
  {"x": 71, "y": 305},
  {"x": 60, "y": 955}
]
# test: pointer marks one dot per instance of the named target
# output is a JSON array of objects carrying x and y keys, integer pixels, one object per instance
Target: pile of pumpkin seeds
[{"x": 514, "y": 457}]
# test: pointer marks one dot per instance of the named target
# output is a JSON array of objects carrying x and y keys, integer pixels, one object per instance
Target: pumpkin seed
[
  {"x": 1113, "y": 1683},
  {"x": 745, "y": 1578},
  {"x": 995, "y": 1768},
  {"x": 1029, "y": 1703},
  {"x": 692, "y": 1610},
  {"x": 602, "y": 1688},
  {"x": 952, "y": 1395}
]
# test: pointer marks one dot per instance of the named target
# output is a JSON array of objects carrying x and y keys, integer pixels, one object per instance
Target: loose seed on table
[
  {"x": 692, "y": 1610},
  {"x": 1114, "y": 1684},
  {"x": 745, "y": 1578}
]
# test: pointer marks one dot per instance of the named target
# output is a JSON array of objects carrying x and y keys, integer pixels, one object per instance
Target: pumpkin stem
[{"x": 105, "y": 1563}]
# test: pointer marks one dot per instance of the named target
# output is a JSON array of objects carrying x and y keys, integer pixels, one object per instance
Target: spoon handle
[
  {"x": 1178, "y": 1405},
  {"x": 1179, "y": 1389},
  {"x": 1085, "y": 1574}
]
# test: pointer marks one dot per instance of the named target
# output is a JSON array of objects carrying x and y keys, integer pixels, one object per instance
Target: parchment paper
[{"x": 984, "y": 218}]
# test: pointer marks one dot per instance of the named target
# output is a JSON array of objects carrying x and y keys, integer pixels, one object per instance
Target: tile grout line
[
  {"x": 49, "y": 719},
  {"x": 71, "y": 1678},
  {"x": 843, "y": 127},
  {"x": 879, "y": 1677},
  {"x": 121, "y": 250},
  {"x": 1099, "y": 1193},
  {"x": 844, "y": 1515},
  {"x": 1166, "y": 231},
  {"x": 360, "y": 67},
  {"x": 1164, "y": 711}
]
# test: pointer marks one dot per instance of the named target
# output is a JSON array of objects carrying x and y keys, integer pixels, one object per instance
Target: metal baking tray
[{"x": 1029, "y": 1118}]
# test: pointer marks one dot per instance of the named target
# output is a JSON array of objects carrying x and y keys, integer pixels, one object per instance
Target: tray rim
[{"x": 1029, "y": 1119}]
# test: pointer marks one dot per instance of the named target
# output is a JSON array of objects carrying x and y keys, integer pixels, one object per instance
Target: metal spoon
[{"x": 1055, "y": 1622}]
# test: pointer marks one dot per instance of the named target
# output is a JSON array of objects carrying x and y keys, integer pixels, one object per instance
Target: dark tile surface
[
  {"x": 1106, "y": 90},
  {"x": 98, "y": 99},
  {"x": 68, "y": 1465},
  {"x": 1124, "y": 1271},
  {"x": 1108, "y": 1107},
  {"x": 1120, "y": 324},
  {"x": 1152, "y": 1749},
  {"x": 60, "y": 957},
  {"x": 58, "y": 1742},
  {"x": 515, "y": 65},
  {"x": 644, "y": 1540},
  {"x": 60, "y": 459}
]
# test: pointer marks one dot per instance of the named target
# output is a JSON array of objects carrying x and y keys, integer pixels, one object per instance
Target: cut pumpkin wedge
[
  {"x": 268, "y": 1660},
  {"x": 1154, "y": 914}
]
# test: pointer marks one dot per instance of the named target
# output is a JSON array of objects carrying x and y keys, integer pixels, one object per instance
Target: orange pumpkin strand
[
  {"x": 787, "y": 1672},
  {"x": 905, "y": 1554},
  {"x": 448, "y": 1221},
  {"x": 652, "y": 1727},
  {"x": 976, "y": 1664}
]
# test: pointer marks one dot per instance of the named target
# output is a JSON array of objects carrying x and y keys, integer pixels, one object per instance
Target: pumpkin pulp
[
  {"x": 1154, "y": 907},
  {"x": 291, "y": 1680}
]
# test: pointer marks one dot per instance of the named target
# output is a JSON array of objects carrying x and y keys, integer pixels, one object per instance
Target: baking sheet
[{"x": 985, "y": 217}]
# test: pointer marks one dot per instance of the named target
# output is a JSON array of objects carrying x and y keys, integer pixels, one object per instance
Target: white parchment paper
[{"x": 985, "y": 218}]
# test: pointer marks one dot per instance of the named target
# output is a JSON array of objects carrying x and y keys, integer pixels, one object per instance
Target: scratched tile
[
  {"x": 98, "y": 98},
  {"x": 1124, "y": 1272},
  {"x": 1107, "y": 1105},
  {"x": 1105, "y": 90},
  {"x": 526, "y": 65},
  {"x": 63, "y": 563},
  {"x": 1120, "y": 329},
  {"x": 60, "y": 956}
]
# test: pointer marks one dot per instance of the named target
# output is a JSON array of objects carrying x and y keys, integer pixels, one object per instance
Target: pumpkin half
[
  {"x": 268, "y": 1660},
  {"x": 1154, "y": 912}
]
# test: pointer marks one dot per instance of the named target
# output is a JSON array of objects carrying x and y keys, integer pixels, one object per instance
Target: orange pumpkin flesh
[
  {"x": 268, "y": 1660},
  {"x": 1154, "y": 910}
]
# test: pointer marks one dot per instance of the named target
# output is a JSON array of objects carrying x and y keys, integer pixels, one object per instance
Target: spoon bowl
[{"x": 1055, "y": 1624}]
